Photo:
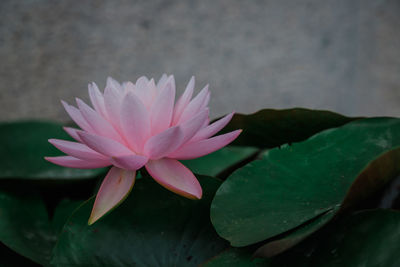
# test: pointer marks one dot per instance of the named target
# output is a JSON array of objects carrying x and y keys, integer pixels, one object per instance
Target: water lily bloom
[{"x": 136, "y": 125}]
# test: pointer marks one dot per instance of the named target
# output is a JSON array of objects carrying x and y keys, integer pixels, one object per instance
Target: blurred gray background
[{"x": 342, "y": 55}]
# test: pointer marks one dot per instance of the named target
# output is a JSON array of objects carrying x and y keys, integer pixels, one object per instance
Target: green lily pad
[
  {"x": 152, "y": 227},
  {"x": 62, "y": 213},
  {"x": 364, "y": 239},
  {"x": 235, "y": 257},
  {"x": 25, "y": 226},
  {"x": 295, "y": 236},
  {"x": 292, "y": 185},
  {"x": 23, "y": 146},
  {"x": 374, "y": 177},
  {"x": 367, "y": 238},
  {"x": 270, "y": 128},
  {"x": 220, "y": 161}
]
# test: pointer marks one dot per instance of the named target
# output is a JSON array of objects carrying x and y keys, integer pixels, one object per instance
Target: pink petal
[
  {"x": 142, "y": 91},
  {"x": 77, "y": 150},
  {"x": 73, "y": 133},
  {"x": 97, "y": 99},
  {"x": 114, "y": 189},
  {"x": 153, "y": 92},
  {"x": 204, "y": 147},
  {"x": 128, "y": 86},
  {"x": 183, "y": 101},
  {"x": 98, "y": 123},
  {"x": 135, "y": 121},
  {"x": 129, "y": 162},
  {"x": 192, "y": 126},
  {"x": 195, "y": 105},
  {"x": 114, "y": 84},
  {"x": 77, "y": 117},
  {"x": 104, "y": 145},
  {"x": 213, "y": 128},
  {"x": 162, "y": 108},
  {"x": 112, "y": 101},
  {"x": 162, "y": 80},
  {"x": 71, "y": 162},
  {"x": 174, "y": 176},
  {"x": 206, "y": 122},
  {"x": 164, "y": 143},
  {"x": 206, "y": 101}
]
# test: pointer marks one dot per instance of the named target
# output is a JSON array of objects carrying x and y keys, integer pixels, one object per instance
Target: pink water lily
[{"x": 136, "y": 125}]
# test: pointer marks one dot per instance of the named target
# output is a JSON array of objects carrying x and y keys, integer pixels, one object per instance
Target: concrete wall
[{"x": 340, "y": 55}]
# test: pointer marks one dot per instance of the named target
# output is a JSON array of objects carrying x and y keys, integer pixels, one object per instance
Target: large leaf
[
  {"x": 152, "y": 227},
  {"x": 25, "y": 226},
  {"x": 368, "y": 238},
  {"x": 295, "y": 236},
  {"x": 62, "y": 213},
  {"x": 269, "y": 128},
  {"x": 23, "y": 146},
  {"x": 292, "y": 185},
  {"x": 364, "y": 239},
  {"x": 221, "y": 160},
  {"x": 373, "y": 178},
  {"x": 235, "y": 257}
]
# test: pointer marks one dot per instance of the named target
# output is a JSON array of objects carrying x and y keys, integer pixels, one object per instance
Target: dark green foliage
[
  {"x": 23, "y": 146},
  {"x": 293, "y": 205}
]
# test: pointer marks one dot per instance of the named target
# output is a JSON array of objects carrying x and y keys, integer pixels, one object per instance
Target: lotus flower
[{"x": 136, "y": 125}]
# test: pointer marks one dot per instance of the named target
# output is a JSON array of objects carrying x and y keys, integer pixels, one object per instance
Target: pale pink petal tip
[
  {"x": 115, "y": 187},
  {"x": 174, "y": 176},
  {"x": 213, "y": 128},
  {"x": 71, "y": 162},
  {"x": 73, "y": 133},
  {"x": 129, "y": 162},
  {"x": 203, "y": 147}
]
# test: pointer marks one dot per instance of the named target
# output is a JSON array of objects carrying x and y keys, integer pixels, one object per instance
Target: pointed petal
[
  {"x": 206, "y": 122},
  {"x": 97, "y": 99},
  {"x": 195, "y": 105},
  {"x": 142, "y": 91},
  {"x": 162, "y": 109},
  {"x": 213, "y": 128},
  {"x": 128, "y": 87},
  {"x": 164, "y": 143},
  {"x": 135, "y": 121},
  {"x": 112, "y": 101},
  {"x": 206, "y": 101},
  {"x": 77, "y": 117},
  {"x": 77, "y": 150},
  {"x": 153, "y": 92},
  {"x": 129, "y": 162},
  {"x": 99, "y": 124},
  {"x": 71, "y": 162},
  {"x": 192, "y": 126},
  {"x": 204, "y": 147},
  {"x": 171, "y": 79},
  {"x": 73, "y": 133},
  {"x": 162, "y": 80},
  {"x": 104, "y": 145},
  {"x": 114, "y": 84},
  {"x": 114, "y": 189},
  {"x": 174, "y": 176},
  {"x": 183, "y": 101}
]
